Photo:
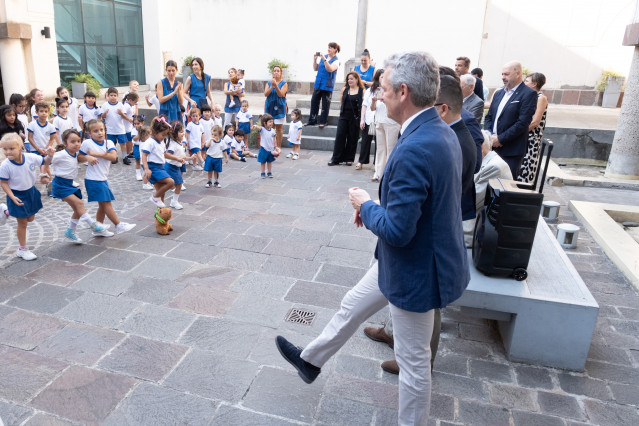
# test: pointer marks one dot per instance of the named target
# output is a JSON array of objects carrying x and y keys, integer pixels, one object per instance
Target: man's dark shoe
[
  {"x": 308, "y": 372},
  {"x": 390, "y": 367},
  {"x": 379, "y": 335}
]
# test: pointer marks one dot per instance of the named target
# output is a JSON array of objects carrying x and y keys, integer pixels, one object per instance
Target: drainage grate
[{"x": 300, "y": 316}]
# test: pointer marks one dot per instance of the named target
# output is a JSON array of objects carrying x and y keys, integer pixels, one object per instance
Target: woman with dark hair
[
  {"x": 232, "y": 90},
  {"x": 326, "y": 67},
  {"x": 530, "y": 163},
  {"x": 367, "y": 120},
  {"x": 170, "y": 93},
  {"x": 275, "y": 105},
  {"x": 196, "y": 88},
  {"x": 348, "y": 124},
  {"x": 365, "y": 70}
]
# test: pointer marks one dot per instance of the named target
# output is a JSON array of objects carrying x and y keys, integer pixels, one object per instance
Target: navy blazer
[
  {"x": 422, "y": 257},
  {"x": 512, "y": 126}
]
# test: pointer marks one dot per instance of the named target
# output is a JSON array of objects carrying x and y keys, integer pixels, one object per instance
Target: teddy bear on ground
[{"x": 162, "y": 217}]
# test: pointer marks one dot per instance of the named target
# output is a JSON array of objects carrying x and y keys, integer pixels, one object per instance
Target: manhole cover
[{"x": 300, "y": 316}]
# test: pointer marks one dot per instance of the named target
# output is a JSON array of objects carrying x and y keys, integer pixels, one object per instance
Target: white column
[
  {"x": 360, "y": 36},
  {"x": 12, "y": 63}
]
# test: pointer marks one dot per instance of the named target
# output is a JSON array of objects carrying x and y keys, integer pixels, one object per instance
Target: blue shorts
[
  {"x": 183, "y": 168},
  {"x": 31, "y": 203},
  {"x": 129, "y": 138},
  {"x": 157, "y": 172},
  {"x": 213, "y": 164},
  {"x": 136, "y": 152},
  {"x": 62, "y": 188},
  {"x": 174, "y": 172},
  {"x": 98, "y": 190},
  {"x": 245, "y": 127},
  {"x": 117, "y": 138},
  {"x": 265, "y": 156},
  {"x": 195, "y": 150},
  {"x": 27, "y": 147}
]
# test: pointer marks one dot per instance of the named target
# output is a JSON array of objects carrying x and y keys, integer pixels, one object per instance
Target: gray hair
[
  {"x": 488, "y": 140},
  {"x": 419, "y": 71},
  {"x": 468, "y": 80}
]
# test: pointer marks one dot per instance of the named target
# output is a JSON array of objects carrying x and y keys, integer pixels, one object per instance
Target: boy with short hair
[
  {"x": 195, "y": 138},
  {"x": 114, "y": 115},
  {"x": 41, "y": 133}
]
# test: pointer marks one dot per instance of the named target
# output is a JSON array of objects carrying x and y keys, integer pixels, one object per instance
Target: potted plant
[
  {"x": 186, "y": 68},
  {"x": 610, "y": 84},
  {"x": 82, "y": 83},
  {"x": 281, "y": 64}
]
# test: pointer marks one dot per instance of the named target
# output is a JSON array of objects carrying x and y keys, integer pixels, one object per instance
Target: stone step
[
  {"x": 306, "y": 103},
  {"x": 328, "y": 131},
  {"x": 319, "y": 143}
]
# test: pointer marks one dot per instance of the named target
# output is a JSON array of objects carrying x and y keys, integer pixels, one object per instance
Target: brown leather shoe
[
  {"x": 390, "y": 367},
  {"x": 378, "y": 335}
]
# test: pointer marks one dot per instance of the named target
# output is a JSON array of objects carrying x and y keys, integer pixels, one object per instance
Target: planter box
[{"x": 78, "y": 89}]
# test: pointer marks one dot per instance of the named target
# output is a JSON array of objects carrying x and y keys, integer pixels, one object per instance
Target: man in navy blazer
[
  {"x": 422, "y": 261},
  {"x": 509, "y": 116}
]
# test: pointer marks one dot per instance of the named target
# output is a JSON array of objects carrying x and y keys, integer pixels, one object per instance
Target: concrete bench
[{"x": 549, "y": 318}]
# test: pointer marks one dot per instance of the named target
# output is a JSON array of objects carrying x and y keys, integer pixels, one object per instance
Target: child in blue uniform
[
  {"x": 153, "y": 158},
  {"x": 173, "y": 166},
  {"x": 244, "y": 119},
  {"x": 268, "y": 151},
  {"x": 214, "y": 154},
  {"x": 114, "y": 116},
  {"x": 18, "y": 174},
  {"x": 100, "y": 153},
  {"x": 65, "y": 166}
]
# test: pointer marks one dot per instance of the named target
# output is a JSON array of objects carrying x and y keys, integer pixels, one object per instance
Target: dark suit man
[
  {"x": 462, "y": 65},
  {"x": 472, "y": 103},
  {"x": 422, "y": 260},
  {"x": 509, "y": 116}
]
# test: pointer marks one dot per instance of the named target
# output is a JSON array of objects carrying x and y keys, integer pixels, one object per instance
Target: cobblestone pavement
[{"x": 148, "y": 329}]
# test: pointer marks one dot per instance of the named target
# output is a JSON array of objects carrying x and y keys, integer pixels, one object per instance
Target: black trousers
[
  {"x": 325, "y": 97},
  {"x": 346, "y": 140},
  {"x": 365, "y": 146},
  {"x": 514, "y": 163}
]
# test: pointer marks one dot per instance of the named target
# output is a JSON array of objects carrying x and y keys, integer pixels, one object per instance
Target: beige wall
[
  {"x": 571, "y": 42},
  {"x": 34, "y": 62}
]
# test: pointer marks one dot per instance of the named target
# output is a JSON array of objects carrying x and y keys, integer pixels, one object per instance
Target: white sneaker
[
  {"x": 296, "y": 157},
  {"x": 198, "y": 167},
  {"x": 123, "y": 227},
  {"x": 176, "y": 205},
  {"x": 148, "y": 186},
  {"x": 104, "y": 233},
  {"x": 4, "y": 213},
  {"x": 183, "y": 187},
  {"x": 289, "y": 155},
  {"x": 216, "y": 184},
  {"x": 158, "y": 202},
  {"x": 231, "y": 104},
  {"x": 138, "y": 177},
  {"x": 26, "y": 254},
  {"x": 76, "y": 184}
]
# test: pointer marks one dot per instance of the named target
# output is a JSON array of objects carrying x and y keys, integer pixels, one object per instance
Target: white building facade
[{"x": 570, "y": 41}]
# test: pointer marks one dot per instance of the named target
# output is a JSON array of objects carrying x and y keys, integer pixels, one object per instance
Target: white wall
[
  {"x": 571, "y": 42},
  {"x": 39, "y": 55}
]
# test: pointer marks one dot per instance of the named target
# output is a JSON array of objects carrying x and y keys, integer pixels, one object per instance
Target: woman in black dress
[{"x": 348, "y": 124}]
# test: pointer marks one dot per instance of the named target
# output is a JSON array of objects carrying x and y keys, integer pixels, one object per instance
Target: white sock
[
  {"x": 85, "y": 217},
  {"x": 138, "y": 172},
  {"x": 73, "y": 223},
  {"x": 176, "y": 197}
]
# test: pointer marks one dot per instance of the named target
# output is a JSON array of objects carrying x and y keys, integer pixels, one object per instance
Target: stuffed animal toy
[{"x": 162, "y": 217}]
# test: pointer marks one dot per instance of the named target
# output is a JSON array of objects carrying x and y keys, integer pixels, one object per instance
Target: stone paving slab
[{"x": 145, "y": 329}]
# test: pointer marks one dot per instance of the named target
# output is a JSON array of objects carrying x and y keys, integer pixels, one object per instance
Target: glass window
[
  {"x": 130, "y": 64},
  {"x": 128, "y": 25},
  {"x": 135, "y": 2},
  {"x": 98, "y": 22},
  {"x": 71, "y": 59},
  {"x": 68, "y": 21},
  {"x": 102, "y": 62}
]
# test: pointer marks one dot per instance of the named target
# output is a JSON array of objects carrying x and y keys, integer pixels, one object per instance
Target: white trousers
[
  {"x": 385, "y": 140},
  {"x": 412, "y": 333}
]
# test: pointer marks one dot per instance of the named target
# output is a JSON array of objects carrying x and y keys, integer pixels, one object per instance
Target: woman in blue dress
[
  {"x": 275, "y": 105},
  {"x": 170, "y": 93},
  {"x": 196, "y": 88},
  {"x": 365, "y": 70}
]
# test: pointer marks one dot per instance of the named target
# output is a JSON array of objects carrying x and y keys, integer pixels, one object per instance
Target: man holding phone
[{"x": 326, "y": 67}]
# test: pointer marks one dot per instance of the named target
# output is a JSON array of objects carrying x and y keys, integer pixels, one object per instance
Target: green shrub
[
  {"x": 93, "y": 85},
  {"x": 274, "y": 62}
]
